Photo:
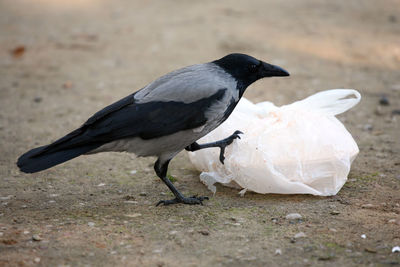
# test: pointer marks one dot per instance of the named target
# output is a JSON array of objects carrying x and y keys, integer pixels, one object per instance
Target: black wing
[{"x": 126, "y": 118}]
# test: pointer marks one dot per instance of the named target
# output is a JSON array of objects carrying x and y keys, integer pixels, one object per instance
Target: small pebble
[
  {"x": 133, "y": 172},
  {"x": 101, "y": 184},
  {"x": 67, "y": 84},
  {"x": 335, "y": 212},
  {"x": 384, "y": 101},
  {"x": 36, "y": 238},
  {"x": 300, "y": 235},
  {"x": 173, "y": 232},
  {"x": 278, "y": 251},
  {"x": 363, "y": 236},
  {"x": 333, "y": 230},
  {"x": 143, "y": 194},
  {"x": 368, "y": 206},
  {"x": 370, "y": 250},
  {"x": 130, "y": 202},
  {"x": 1, "y": 234},
  {"x": 37, "y": 260},
  {"x": 204, "y": 232},
  {"x": 129, "y": 197},
  {"x": 368, "y": 127},
  {"x": 91, "y": 224},
  {"x": 37, "y": 99},
  {"x": 395, "y": 249},
  {"x": 293, "y": 216},
  {"x": 26, "y": 232}
]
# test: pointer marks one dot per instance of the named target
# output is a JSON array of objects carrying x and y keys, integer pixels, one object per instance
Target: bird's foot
[
  {"x": 230, "y": 139},
  {"x": 194, "y": 200},
  {"x": 226, "y": 142}
]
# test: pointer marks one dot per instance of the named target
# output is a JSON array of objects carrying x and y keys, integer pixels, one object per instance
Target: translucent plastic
[{"x": 301, "y": 148}]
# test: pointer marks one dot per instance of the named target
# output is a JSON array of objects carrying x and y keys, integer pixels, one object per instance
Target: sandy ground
[{"x": 61, "y": 61}]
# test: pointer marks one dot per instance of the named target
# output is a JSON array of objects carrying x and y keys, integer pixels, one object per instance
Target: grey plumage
[
  {"x": 189, "y": 84},
  {"x": 163, "y": 118}
]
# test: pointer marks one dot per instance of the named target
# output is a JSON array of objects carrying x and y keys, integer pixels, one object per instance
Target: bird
[{"x": 163, "y": 118}]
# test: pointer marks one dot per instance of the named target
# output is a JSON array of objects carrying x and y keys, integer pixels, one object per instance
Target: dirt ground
[{"x": 61, "y": 61}]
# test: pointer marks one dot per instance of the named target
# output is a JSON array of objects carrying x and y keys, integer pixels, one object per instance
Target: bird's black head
[{"x": 246, "y": 69}]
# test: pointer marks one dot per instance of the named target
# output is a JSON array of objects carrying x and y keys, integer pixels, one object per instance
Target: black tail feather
[{"x": 38, "y": 159}]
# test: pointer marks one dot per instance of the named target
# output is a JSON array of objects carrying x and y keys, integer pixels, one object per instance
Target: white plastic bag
[{"x": 299, "y": 148}]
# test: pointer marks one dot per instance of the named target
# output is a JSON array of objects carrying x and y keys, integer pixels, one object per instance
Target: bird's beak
[{"x": 269, "y": 70}]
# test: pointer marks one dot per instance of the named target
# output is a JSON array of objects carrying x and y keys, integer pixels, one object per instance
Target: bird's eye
[{"x": 253, "y": 68}]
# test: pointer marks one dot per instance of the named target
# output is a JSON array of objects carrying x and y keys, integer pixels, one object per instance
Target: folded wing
[{"x": 123, "y": 119}]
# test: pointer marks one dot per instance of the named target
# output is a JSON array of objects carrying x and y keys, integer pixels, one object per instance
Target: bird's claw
[
  {"x": 194, "y": 200},
  {"x": 236, "y": 134},
  {"x": 227, "y": 141},
  {"x": 230, "y": 139},
  {"x": 222, "y": 158},
  {"x": 221, "y": 155}
]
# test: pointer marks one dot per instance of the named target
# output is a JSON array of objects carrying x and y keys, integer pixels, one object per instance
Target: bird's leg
[
  {"x": 161, "y": 170},
  {"x": 222, "y": 144}
]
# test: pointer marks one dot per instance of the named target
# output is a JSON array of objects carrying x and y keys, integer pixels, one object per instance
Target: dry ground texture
[{"x": 61, "y": 61}]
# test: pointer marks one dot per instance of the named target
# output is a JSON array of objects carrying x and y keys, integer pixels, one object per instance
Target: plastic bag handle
[{"x": 331, "y": 102}]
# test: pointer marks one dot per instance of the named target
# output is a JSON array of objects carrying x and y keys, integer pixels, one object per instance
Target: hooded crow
[{"x": 163, "y": 118}]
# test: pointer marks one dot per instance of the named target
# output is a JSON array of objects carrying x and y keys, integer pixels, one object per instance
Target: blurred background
[{"x": 61, "y": 61}]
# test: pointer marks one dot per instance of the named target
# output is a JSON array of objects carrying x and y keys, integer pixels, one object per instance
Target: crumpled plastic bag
[{"x": 301, "y": 148}]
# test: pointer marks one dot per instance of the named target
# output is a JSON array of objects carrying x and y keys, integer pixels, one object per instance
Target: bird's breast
[{"x": 219, "y": 111}]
